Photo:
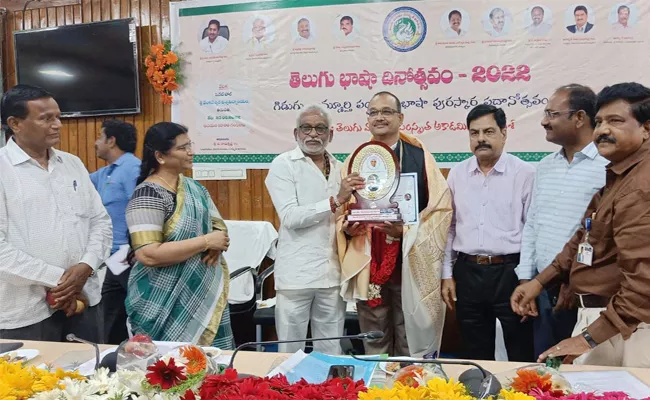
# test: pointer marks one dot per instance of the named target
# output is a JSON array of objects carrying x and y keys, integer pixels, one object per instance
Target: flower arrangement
[
  {"x": 20, "y": 382},
  {"x": 164, "y": 70},
  {"x": 187, "y": 373}
]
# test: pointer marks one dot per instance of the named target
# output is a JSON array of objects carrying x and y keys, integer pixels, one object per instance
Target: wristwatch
[{"x": 589, "y": 339}]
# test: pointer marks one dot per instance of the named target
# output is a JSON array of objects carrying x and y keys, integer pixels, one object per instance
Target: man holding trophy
[{"x": 392, "y": 235}]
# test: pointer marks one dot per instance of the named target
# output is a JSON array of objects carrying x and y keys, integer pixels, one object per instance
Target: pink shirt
[{"x": 489, "y": 210}]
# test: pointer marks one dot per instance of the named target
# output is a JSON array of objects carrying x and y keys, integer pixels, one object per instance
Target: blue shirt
[
  {"x": 561, "y": 194},
  {"x": 115, "y": 184}
]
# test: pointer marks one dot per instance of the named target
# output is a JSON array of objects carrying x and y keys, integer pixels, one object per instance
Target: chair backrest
[{"x": 250, "y": 243}]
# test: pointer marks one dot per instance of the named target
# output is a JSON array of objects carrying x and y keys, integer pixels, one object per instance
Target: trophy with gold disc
[{"x": 378, "y": 165}]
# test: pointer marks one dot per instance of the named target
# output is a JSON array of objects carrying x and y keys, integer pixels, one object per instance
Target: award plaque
[{"x": 377, "y": 164}]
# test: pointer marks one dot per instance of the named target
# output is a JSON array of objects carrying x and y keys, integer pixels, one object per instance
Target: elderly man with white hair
[{"x": 307, "y": 192}]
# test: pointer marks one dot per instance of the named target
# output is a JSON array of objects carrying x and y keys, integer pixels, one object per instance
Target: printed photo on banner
[
  {"x": 259, "y": 32},
  {"x": 580, "y": 19},
  {"x": 455, "y": 23},
  {"x": 622, "y": 17},
  {"x": 214, "y": 36},
  {"x": 497, "y": 21},
  {"x": 346, "y": 27},
  {"x": 303, "y": 30},
  {"x": 538, "y": 20}
]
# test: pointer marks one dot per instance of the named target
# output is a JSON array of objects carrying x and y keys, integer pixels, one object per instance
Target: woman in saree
[{"x": 178, "y": 288}]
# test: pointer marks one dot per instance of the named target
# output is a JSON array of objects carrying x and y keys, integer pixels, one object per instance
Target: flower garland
[
  {"x": 382, "y": 264},
  {"x": 164, "y": 70}
]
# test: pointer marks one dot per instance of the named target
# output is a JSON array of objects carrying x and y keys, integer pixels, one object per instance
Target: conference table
[{"x": 261, "y": 363}]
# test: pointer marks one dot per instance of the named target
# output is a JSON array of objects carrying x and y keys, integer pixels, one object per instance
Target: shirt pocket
[
  {"x": 113, "y": 192},
  {"x": 73, "y": 200},
  {"x": 501, "y": 214}
]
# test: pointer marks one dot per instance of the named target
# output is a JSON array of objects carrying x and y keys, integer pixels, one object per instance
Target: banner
[{"x": 251, "y": 68}]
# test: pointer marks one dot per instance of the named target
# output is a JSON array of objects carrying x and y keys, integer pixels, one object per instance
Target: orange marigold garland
[{"x": 163, "y": 70}]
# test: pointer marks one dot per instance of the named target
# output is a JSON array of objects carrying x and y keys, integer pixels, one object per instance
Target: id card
[{"x": 585, "y": 254}]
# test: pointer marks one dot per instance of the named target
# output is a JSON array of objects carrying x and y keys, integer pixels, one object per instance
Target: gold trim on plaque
[{"x": 387, "y": 157}]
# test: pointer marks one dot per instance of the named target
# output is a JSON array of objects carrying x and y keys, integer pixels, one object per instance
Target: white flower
[
  {"x": 131, "y": 380},
  {"x": 102, "y": 381},
  {"x": 55, "y": 394}
]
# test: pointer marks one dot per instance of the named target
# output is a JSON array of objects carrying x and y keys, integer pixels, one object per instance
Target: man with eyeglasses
[
  {"x": 306, "y": 190},
  {"x": 392, "y": 270},
  {"x": 607, "y": 260},
  {"x": 258, "y": 40},
  {"x": 565, "y": 182},
  {"x": 491, "y": 193}
]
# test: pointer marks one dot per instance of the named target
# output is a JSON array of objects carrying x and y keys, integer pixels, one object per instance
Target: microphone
[
  {"x": 372, "y": 335},
  {"x": 71, "y": 337},
  {"x": 109, "y": 361},
  {"x": 479, "y": 382}
]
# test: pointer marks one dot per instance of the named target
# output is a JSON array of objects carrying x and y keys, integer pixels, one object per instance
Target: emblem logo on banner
[{"x": 404, "y": 29}]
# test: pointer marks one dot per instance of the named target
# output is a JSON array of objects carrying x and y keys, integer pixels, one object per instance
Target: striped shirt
[{"x": 561, "y": 194}]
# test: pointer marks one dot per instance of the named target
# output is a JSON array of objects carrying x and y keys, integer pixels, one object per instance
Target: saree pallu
[{"x": 188, "y": 301}]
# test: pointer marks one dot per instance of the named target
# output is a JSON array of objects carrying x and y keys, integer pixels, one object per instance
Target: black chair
[
  {"x": 266, "y": 316},
  {"x": 242, "y": 315}
]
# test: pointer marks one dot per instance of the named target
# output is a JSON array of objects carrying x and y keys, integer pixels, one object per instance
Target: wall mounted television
[{"x": 91, "y": 69}]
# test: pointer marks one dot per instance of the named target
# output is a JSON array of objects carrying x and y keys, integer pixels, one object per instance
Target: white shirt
[
  {"x": 539, "y": 30},
  {"x": 306, "y": 256},
  {"x": 617, "y": 26},
  {"x": 301, "y": 39},
  {"x": 258, "y": 44},
  {"x": 561, "y": 194},
  {"x": 216, "y": 47},
  {"x": 453, "y": 34},
  {"x": 50, "y": 220}
]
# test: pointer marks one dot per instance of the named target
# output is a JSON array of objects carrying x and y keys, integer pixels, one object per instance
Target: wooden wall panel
[{"x": 243, "y": 200}]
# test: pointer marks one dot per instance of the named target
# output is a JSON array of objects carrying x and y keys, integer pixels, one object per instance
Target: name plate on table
[{"x": 377, "y": 164}]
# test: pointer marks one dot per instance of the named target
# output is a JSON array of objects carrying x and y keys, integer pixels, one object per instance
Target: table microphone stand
[
  {"x": 479, "y": 382},
  {"x": 372, "y": 335}
]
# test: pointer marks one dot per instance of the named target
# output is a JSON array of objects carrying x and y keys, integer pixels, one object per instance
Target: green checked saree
[{"x": 188, "y": 301}]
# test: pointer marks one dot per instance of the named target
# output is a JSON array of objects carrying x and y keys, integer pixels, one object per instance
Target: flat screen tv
[{"x": 91, "y": 69}]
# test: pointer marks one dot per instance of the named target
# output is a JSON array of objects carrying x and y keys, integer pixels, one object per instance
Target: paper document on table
[
  {"x": 117, "y": 262},
  {"x": 315, "y": 367},
  {"x": 608, "y": 381},
  {"x": 289, "y": 364}
]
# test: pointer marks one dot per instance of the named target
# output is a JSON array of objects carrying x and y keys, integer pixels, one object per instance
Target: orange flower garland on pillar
[{"x": 163, "y": 70}]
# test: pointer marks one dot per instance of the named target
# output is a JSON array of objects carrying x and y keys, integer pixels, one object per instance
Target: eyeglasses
[
  {"x": 186, "y": 147},
  {"x": 554, "y": 114},
  {"x": 386, "y": 112},
  {"x": 320, "y": 129}
]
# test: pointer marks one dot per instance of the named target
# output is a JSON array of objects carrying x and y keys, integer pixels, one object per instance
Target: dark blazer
[{"x": 572, "y": 28}]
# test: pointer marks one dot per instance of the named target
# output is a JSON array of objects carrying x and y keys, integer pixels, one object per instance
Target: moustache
[
  {"x": 606, "y": 139},
  {"x": 312, "y": 141},
  {"x": 483, "y": 146}
]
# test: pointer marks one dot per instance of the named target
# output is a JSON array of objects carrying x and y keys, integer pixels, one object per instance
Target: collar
[
  {"x": 632, "y": 160},
  {"x": 18, "y": 155},
  {"x": 122, "y": 159},
  {"x": 500, "y": 166},
  {"x": 297, "y": 154},
  {"x": 589, "y": 151}
]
